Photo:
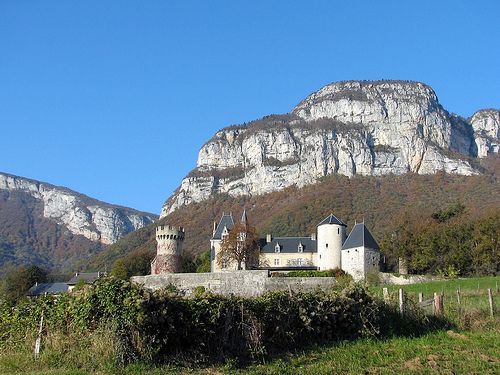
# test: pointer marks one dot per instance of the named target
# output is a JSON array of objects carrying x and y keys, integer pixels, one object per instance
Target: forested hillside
[{"x": 397, "y": 207}]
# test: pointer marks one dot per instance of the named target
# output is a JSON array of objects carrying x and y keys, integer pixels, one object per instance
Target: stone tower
[
  {"x": 168, "y": 250},
  {"x": 331, "y": 237}
]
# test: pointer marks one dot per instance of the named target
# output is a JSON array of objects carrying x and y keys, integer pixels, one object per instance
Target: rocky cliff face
[
  {"x": 347, "y": 128},
  {"x": 81, "y": 215},
  {"x": 486, "y": 125}
]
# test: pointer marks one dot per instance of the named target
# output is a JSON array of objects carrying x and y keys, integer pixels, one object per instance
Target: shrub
[{"x": 163, "y": 326}]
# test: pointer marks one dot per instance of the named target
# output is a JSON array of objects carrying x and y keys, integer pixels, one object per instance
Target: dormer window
[
  {"x": 224, "y": 233},
  {"x": 277, "y": 248},
  {"x": 300, "y": 248}
]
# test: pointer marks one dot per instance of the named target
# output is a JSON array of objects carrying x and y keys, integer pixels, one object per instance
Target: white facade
[
  {"x": 360, "y": 261},
  {"x": 331, "y": 237}
]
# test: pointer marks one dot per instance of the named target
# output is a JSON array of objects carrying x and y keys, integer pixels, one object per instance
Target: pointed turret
[{"x": 244, "y": 218}]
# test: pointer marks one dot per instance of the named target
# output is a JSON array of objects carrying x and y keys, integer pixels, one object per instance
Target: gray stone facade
[{"x": 239, "y": 283}]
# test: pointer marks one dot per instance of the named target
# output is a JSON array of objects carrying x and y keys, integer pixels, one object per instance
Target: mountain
[
  {"x": 368, "y": 128},
  {"x": 381, "y": 201},
  {"x": 56, "y": 227}
]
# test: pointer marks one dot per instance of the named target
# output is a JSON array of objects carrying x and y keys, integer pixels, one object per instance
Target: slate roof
[
  {"x": 332, "y": 219},
  {"x": 290, "y": 245},
  {"x": 360, "y": 236},
  {"x": 89, "y": 277},
  {"x": 225, "y": 221},
  {"x": 48, "y": 288}
]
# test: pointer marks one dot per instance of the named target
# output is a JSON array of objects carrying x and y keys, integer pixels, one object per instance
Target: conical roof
[
  {"x": 332, "y": 219},
  {"x": 360, "y": 236},
  {"x": 244, "y": 219}
]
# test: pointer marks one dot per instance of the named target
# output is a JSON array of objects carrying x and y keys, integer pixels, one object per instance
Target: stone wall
[
  {"x": 241, "y": 283},
  {"x": 389, "y": 278}
]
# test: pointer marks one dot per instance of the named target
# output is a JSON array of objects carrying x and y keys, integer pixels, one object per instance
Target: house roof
[
  {"x": 332, "y": 219},
  {"x": 89, "y": 277},
  {"x": 225, "y": 221},
  {"x": 47, "y": 288},
  {"x": 289, "y": 245},
  {"x": 360, "y": 236}
]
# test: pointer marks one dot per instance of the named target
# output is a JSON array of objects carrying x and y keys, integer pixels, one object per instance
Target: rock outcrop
[
  {"x": 346, "y": 128},
  {"x": 486, "y": 125},
  {"x": 81, "y": 215}
]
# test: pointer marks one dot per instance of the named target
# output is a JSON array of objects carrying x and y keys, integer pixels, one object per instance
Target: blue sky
[{"x": 114, "y": 98}]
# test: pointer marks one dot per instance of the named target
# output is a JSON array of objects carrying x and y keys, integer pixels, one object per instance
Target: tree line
[{"x": 453, "y": 241}]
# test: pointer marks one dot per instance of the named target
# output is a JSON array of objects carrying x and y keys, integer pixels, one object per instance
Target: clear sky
[{"x": 114, "y": 98}]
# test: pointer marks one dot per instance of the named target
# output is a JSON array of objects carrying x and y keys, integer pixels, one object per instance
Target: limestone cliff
[
  {"x": 486, "y": 125},
  {"x": 81, "y": 215},
  {"x": 347, "y": 128}
]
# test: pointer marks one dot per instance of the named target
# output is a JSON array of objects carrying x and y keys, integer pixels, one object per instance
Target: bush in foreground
[{"x": 164, "y": 327}]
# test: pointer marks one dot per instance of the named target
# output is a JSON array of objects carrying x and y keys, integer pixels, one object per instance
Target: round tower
[
  {"x": 169, "y": 241},
  {"x": 331, "y": 237}
]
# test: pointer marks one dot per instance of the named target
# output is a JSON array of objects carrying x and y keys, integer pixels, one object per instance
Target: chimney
[
  {"x": 313, "y": 236},
  {"x": 36, "y": 283},
  {"x": 98, "y": 274},
  {"x": 268, "y": 238}
]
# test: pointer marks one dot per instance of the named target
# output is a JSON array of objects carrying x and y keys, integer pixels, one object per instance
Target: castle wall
[
  {"x": 240, "y": 283},
  {"x": 359, "y": 261},
  {"x": 214, "y": 266}
]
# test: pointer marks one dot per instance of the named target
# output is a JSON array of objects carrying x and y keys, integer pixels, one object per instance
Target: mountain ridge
[
  {"x": 346, "y": 128},
  {"x": 54, "y": 226}
]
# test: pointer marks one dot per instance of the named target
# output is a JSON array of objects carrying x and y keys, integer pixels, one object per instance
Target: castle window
[
  {"x": 327, "y": 246},
  {"x": 338, "y": 230},
  {"x": 300, "y": 248},
  {"x": 224, "y": 264},
  {"x": 276, "y": 262},
  {"x": 277, "y": 248}
]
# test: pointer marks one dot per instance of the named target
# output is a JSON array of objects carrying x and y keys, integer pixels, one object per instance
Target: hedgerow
[{"x": 164, "y": 326}]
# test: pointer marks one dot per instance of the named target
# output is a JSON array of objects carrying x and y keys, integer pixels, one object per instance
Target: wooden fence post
[
  {"x": 385, "y": 292},
  {"x": 438, "y": 304},
  {"x": 490, "y": 300},
  {"x": 38, "y": 342},
  {"x": 420, "y": 297},
  {"x": 401, "y": 302},
  {"x": 458, "y": 296}
]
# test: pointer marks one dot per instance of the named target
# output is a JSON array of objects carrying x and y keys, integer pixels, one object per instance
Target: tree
[
  {"x": 202, "y": 262},
  {"x": 120, "y": 270},
  {"x": 486, "y": 257},
  {"x": 239, "y": 246},
  {"x": 18, "y": 280}
]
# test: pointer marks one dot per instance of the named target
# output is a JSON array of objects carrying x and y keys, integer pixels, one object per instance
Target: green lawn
[
  {"x": 445, "y": 352},
  {"x": 473, "y": 294},
  {"x": 448, "y": 286}
]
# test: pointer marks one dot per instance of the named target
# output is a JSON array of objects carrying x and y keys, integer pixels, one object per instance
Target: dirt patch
[
  {"x": 432, "y": 361},
  {"x": 413, "y": 364},
  {"x": 488, "y": 359},
  {"x": 456, "y": 335}
]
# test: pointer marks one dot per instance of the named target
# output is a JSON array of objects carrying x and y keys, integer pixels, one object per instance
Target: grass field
[
  {"x": 445, "y": 352},
  {"x": 471, "y": 348},
  {"x": 473, "y": 294}
]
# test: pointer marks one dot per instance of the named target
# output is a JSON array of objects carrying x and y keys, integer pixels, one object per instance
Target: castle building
[
  {"x": 169, "y": 241},
  {"x": 328, "y": 248}
]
